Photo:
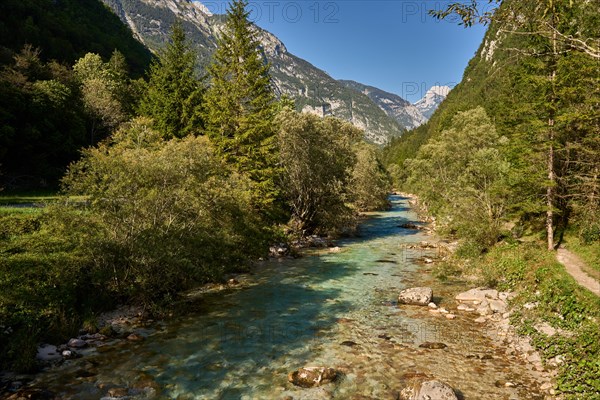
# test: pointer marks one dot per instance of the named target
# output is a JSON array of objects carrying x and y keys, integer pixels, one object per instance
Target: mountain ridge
[
  {"x": 405, "y": 113},
  {"x": 313, "y": 89}
]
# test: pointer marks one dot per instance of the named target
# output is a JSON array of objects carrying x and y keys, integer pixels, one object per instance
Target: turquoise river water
[{"x": 290, "y": 313}]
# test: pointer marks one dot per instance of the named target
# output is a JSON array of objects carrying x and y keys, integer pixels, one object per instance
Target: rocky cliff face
[
  {"x": 407, "y": 115},
  {"x": 313, "y": 89}
]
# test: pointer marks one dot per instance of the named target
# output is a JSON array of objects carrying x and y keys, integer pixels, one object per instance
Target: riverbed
[{"x": 333, "y": 309}]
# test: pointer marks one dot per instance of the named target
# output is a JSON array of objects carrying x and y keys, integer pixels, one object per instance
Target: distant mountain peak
[
  {"x": 202, "y": 7},
  {"x": 432, "y": 99},
  {"x": 439, "y": 90}
]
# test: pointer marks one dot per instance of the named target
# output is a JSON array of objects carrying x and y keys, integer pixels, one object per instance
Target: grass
[
  {"x": 29, "y": 202},
  {"x": 27, "y": 197}
]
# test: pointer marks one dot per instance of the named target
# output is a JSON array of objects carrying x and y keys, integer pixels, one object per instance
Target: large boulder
[
  {"x": 428, "y": 390},
  {"x": 420, "y": 296},
  {"x": 312, "y": 376}
]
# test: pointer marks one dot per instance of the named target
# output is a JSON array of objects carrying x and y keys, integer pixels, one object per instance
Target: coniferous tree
[
  {"x": 173, "y": 95},
  {"x": 240, "y": 104}
]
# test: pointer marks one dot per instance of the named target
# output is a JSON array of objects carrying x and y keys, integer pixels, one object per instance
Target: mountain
[
  {"x": 313, "y": 89},
  {"x": 407, "y": 115},
  {"x": 431, "y": 101}
]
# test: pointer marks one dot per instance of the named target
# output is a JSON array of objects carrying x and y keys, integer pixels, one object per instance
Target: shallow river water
[{"x": 242, "y": 343}]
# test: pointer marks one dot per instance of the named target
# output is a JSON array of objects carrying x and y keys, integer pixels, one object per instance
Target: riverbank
[
  {"x": 552, "y": 322},
  {"x": 334, "y": 308}
]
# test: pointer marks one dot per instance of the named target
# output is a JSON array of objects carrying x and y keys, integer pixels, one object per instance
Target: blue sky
[{"x": 394, "y": 45}]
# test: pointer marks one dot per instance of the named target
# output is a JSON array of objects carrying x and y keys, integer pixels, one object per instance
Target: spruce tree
[
  {"x": 240, "y": 104},
  {"x": 173, "y": 94}
]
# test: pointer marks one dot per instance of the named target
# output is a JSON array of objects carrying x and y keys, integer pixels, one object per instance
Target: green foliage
[
  {"x": 462, "y": 176},
  {"x": 167, "y": 217},
  {"x": 173, "y": 95},
  {"x": 240, "y": 105},
  {"x": 370, "y": 182},
  {"x": 317, "y": 158},
  {"x": 42, "y": 122},
  {"x": 66, "y": 30},
  {"x": 106, "y": 92}
]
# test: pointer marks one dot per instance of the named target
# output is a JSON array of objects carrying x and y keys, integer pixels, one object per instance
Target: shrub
[{"x": 169, "y": 215}]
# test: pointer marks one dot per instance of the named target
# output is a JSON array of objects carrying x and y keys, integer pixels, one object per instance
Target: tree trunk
[
  {"x": 551, "y": 175},
  {"x": 550, "y": 194}
]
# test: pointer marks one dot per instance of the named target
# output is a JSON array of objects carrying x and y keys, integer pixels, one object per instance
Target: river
[{"x": 291, "y": 313}]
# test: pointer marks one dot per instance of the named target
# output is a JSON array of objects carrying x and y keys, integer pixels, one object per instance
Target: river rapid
[{"x": 333, "y": 309}]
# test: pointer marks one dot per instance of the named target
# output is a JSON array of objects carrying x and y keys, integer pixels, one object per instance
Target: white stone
[
  {"x": 498, "y": 306},
  {"x": 484, "y": 310},
  {"x": 432, "y": 305},
  {"x": 76, "y": 343},
  {"x": 416, "y": 296},
  {"x": 477, "y": 294},
  {"x": 545, "y": 329},
  {"x": 431, "y": 390}
]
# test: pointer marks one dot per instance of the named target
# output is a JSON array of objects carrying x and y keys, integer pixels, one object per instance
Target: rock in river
[
  {"x": 433, "y": 345},
  {"x": 118, "y": 392},
  {"x": 312, "y": 376},
  {"x": 420, "y": 296},
  {"x": 32, "y": 394},
  {"x": 428, "y": 390}
]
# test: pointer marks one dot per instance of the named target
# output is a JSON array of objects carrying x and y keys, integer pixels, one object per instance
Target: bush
[
  {"x": 463, "y": 177},
  {"x": 168, "y": 214},
  {"x": 46, "y": 283}
]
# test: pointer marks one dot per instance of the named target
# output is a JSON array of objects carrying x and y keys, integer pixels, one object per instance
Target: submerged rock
[
  {"x": 428, "y": 390},
  {"x": 118, "y": 392},
  {"x": 410, "y": 225},
  {"x": 312, "y": 376},
  {"x": 134, "y": 337},
  {"x": 433, "y": 345},
  {"x": 420, "y": 296},
  {"x": 32, "y": 394}
]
